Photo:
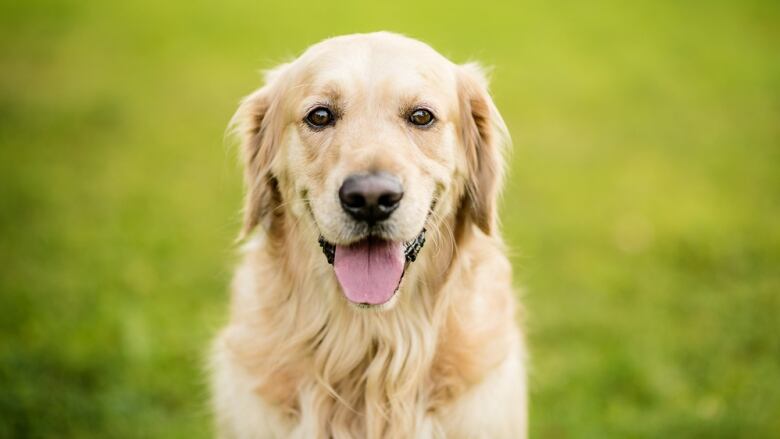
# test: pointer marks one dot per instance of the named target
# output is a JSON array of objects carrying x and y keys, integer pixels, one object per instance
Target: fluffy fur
[{"x": 444, "y": 358}]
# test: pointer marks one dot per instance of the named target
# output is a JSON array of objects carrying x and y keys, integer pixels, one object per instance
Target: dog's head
[{"x": 371, "y": 139}]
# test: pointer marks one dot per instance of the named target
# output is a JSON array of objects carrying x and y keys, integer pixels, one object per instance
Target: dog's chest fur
[{"x": 329, "y": 370}]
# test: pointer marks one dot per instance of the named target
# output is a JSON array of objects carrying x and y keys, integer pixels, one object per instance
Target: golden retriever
[{"x": 374, "y": 299}]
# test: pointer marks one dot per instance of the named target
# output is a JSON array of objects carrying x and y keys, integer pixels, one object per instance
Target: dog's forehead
[{"x": 374, "y": 60}]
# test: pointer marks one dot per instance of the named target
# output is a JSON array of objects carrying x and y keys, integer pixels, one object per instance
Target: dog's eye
[
  {"x": 421, "y": 117},
  {"x": 319, "y": 117}
]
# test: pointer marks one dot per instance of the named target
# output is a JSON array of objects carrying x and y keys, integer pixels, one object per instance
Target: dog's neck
[{"x": 378, "y": 363}]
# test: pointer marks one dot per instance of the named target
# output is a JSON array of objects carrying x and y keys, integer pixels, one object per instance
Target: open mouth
[{"x": 370, "y": 271}]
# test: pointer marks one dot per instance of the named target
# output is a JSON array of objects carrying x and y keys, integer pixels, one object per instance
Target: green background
[{"x": 641, "y": 211}]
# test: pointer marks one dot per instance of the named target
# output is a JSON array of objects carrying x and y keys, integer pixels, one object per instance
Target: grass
[{"x": 642, "y": 209}]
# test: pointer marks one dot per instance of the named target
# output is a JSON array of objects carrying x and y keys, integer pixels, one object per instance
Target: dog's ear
[
  {"x": 486, "y": 137},
  {"x": 256, "y": 125}
]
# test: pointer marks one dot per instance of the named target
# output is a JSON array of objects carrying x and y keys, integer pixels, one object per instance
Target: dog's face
[{"x": 371, "y": 139}]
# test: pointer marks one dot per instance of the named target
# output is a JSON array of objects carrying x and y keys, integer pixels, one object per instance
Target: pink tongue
[{"x": 369, "y": 271}]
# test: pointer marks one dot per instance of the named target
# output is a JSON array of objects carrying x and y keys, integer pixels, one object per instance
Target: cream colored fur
[{"x": 444, "y": 358}]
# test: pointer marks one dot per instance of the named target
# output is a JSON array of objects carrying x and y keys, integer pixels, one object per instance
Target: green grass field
[{"x": 643, "y": 207}]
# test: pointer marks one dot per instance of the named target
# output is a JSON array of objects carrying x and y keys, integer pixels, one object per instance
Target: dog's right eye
[{"x": 319, "y": 117}]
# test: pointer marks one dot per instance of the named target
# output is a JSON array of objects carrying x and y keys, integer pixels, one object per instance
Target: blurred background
[{"x": 642, "y": 210}]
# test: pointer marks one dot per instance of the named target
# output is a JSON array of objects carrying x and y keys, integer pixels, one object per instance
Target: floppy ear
[
  {"x": 255, "y": 124},
  {"x": 486, "y": 137}
]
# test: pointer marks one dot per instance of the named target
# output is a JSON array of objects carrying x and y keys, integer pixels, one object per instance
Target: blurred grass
[{"x": 642, "y": 208}]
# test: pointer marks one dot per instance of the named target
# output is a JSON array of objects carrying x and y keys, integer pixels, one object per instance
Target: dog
[{"x": 374, "y": 298}]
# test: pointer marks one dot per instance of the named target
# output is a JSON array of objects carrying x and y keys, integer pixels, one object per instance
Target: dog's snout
[{"x": 371, "y": 197}]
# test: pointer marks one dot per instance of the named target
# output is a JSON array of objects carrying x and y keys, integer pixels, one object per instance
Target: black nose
[{"x": 370, "y": 197}]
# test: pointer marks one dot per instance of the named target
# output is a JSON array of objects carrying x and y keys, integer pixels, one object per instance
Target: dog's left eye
[
  {"x": 319, "y": 117},
  {"x": 421, "y": 117}
]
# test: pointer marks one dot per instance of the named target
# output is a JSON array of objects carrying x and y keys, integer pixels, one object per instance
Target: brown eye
[
  {"x": 319, "y": 117},
  {"x": 421, "y": 117}
]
